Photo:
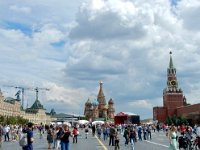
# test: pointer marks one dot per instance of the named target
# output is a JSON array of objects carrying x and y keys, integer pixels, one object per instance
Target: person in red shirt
[
  {"x": 182, "y": 129},
  {"x": 75, "y": 134}
]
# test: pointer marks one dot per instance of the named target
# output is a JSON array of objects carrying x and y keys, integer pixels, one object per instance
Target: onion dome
[
  {"x": 88, "y": 102},
  {"x": 110, "y": 101},
  {"x": 94, "y": 103}
]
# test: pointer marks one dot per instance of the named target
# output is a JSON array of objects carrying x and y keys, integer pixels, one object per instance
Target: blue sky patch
[
  {"x": 58, "y": 44},
  {"x": 18, "y": 26},
  {"x": 174, "y": 2}
]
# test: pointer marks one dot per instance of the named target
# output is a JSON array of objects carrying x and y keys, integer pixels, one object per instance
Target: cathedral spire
[
  {"x": 101, "y": 89},
  {"x": 101, "y": 97},
  {"x": 171, "y": 62}
]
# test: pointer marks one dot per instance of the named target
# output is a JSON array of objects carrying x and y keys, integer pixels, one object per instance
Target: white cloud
[
  {"x": 141, "y": 104},
  {"x": 20, "y": 9},
  {"x": 71, "y": 97}
]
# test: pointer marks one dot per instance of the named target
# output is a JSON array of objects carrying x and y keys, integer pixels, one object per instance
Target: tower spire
[
  {"x": 101, "y": 97},
  {"x": 171, "y": 62}
]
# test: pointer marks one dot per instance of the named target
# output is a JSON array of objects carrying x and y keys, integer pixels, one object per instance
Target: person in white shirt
[{"x": 6, "y": 131}]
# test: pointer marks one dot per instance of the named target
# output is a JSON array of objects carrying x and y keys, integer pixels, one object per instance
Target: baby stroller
[{"x": 183, "y": 142}]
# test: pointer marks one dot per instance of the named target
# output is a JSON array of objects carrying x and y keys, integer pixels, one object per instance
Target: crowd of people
[{"x": 58, "y": 136}]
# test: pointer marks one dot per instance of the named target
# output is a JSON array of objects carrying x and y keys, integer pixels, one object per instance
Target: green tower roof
[
  {"x": 171, "y": 62},
  {"x": 37, "y": 105}
]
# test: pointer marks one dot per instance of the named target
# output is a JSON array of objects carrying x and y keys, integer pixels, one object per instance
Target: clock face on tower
[{"x": 173, "y": 82}]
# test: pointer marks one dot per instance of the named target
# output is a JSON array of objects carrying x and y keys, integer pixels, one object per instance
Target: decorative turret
[
  {"x": 1, "y": 96},
  {"x": 52, "y": 112},
  {"x": 110, "y": 102},
  {"x": 111, "y": 109}
]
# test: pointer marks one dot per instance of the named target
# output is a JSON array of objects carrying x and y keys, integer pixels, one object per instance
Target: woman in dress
[{"x": 172, "y": 139}]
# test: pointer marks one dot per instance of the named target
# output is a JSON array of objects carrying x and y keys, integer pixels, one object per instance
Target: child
[
  {"x": 86, "y": 132},
  {"x": 117, "y": 141}
]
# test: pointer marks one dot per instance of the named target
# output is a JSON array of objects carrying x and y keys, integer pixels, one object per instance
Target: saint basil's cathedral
[{"x": 100, "y": 109}]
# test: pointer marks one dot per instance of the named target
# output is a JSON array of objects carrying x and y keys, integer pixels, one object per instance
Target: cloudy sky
[{"x": 69, "y": 46}]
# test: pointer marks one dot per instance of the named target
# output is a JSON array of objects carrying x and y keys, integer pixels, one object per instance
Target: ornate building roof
[{"x": 37, "y": 105}]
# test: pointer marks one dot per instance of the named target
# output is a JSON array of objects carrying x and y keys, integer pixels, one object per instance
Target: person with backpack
[
  {"x": 29, "y": 136},
  {"x": 23, "y": 138}
]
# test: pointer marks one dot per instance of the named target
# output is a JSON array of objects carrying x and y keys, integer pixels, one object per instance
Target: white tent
[
  {"x": 83, "y": 122},
  {"x": 97, "y": 122}
]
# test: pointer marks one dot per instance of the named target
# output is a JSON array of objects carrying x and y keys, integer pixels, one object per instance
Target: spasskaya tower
[{"x": 172, "y": 96}]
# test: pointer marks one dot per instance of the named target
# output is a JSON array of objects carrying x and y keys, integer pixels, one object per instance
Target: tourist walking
[
  {"x": 49, "y": 138},
  {"x": 99, "y": 131},
  {"x": 198, "y": 133},
  {"x": 65, "y": 138},
  {"x": 140, "y": 133},
  {"x": 132, "y": 137},
  {"x": 117, "y": 147},
  {"x": 93, "y": 129},
  {"x": 105, "y": 133},
  {"x": 172, "y": 139},
  {"x": 1, "y": 134},
  {"x": 75, "y": 134},
  {"x": 30, "y": 139},
  {"x": 6, "y": 133},
  {"x": 126, "y": 136},
  {"x": 86, "y": 132},
  {"x": 112, "y": 134},
  {"x": 59, "y": 132},
  {"x": 149, "y": 132}
]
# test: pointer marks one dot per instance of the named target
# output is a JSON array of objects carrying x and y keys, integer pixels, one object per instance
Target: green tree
[
  {"x": 169, "y": 121},
  {"x": 2, "y": 119}
]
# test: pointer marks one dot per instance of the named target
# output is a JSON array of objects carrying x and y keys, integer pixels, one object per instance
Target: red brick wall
[
  {"x": 173, "y": 100},
  {"x": 188, "y": 110},
  {"x": 159, "y": 113}
]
